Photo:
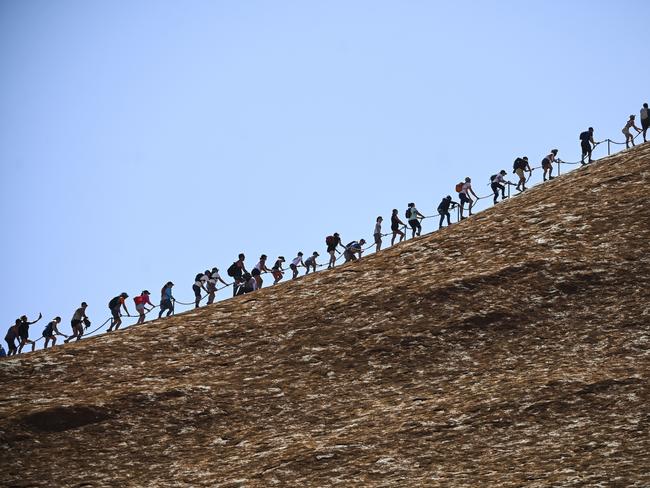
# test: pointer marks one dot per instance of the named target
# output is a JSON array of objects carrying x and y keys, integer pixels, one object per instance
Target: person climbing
[
  {"x": 3, "y": 353},
  {"x": 626, "y": 131},
  {"x": 214, "y": 279},
  {"x": 51, "y": 331},
  {"x": 547, "y": 164},
  {"x": 248, "y": 284},
  {"x": 310, "y": 262},
  {"x": 414, "y": 216},
  {"x": 140, "y": 305},
  {"x": 464, "y": 196},
  {"x": 23, "y": 332},
  {"x": 77, "y": 321},
  {"x": 297, "y": 261},
  {"x": 352, "y": 249},
  {"x": 377, "y": 233},
  {"x": 499, "y": 182},
  {"x": 586, "y": 142},
  {"x": 443, "y": 210},
  {"x": 519, "y": 167},
  {"x": 236, "y": 271},
  {"x": 10, "y": 338},
  {"x": 114, "y": 306},
  {"x": 395, "y": 224},
  {"x": 199, "y": 284},
  {"x": 260, "y": 268},
  {"x": 166, "y": 299},
  {"x": 333, "y": 242},
  {"x": 645, "y": 120},
  {"x": 277, "y": 271}
]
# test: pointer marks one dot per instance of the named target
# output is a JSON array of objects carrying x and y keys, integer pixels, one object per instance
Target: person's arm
[
  {"x": 472, "y": 190},
  {"x": 221, "y": 279},
  {"x": 419, "y": 214},
  {"x": 40, "y": 316},
  {"x": 124, "y": 307}
]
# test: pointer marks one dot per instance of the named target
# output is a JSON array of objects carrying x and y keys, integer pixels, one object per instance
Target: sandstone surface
[{"x": 511, "y": 349}]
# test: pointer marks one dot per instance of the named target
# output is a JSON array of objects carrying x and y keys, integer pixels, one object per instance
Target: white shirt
[
  {"x": 466, "y": 188},
  {"x": 378, "y": 228},
  {"x": 297, "y": 261},
  {"x": 214, "y": 277},
  {"x": 79, "y": 314}
]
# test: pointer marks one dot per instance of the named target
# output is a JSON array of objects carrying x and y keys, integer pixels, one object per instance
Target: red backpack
[
  {"x": 330, "y": 240},
  {"x": 459, "y": 187}
]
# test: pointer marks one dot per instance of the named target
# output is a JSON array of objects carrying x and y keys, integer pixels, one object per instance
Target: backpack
[
  {"x": 459, "y": 187},
  {"x": 232, "y": 270},
  {"x": 584, "y": 136},
  {"x": 330, "y": 240},
  {"x": 408, "y": 213},
  {"x": 115, "y": 302},
  {"x": 492, "y": 178},
  {"x": 198, "y": 277}
]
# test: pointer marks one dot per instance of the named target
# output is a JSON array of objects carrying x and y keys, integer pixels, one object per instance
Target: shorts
[
  {"x": 463, "y": 198},
  {"x": 645, "y": 123},
  {"x": 23, "y": 333},
  {"x": 394, "y": 227},
  {"x": 197, "y": 291},
  {"x": 212, "y": 287},
  {"x": 277, "y": 274},
  {"x": 140, "y": 307},
  {"x": 255, "y": 272},
  {"x": 415, "y": 224},
  {"x": 546, "y": 164},
  {"x": 48, "y": 335},
  {"x": 626, "y": 132},
  {"x": 331, "y": 249},
  {"x": 586, "y": 147},
  {"x": 115, "y": 313},
  {"x": 520, "y": 173},
  {"x": 166, "y": 305},
  {"x": 293, "y": 267},
  {"x": 378, "y": 239},
  {"x": 75, "y": 323}
]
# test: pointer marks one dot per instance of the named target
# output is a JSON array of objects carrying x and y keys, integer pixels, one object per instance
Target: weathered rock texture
[{"x": 508, "y": 350}]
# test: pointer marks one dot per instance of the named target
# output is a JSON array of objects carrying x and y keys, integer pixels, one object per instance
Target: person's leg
[
  {"x": 47, "y": 341},
  {"x": 53, "y": 341},
  {"x": 495, "y": 190},
  {"x": 590, "y": 151},
  {"x": 448, "y": 219},
  {"x": 442, "y": 219}
]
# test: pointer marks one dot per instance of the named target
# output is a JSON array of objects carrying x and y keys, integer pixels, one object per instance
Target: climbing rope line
[{"x": 404, "y": 228}]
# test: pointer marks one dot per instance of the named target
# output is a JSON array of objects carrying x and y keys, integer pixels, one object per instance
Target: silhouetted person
[
  {"x": 645, "y": 120},
  {"x": 547, "y": 164},
  {"x": 23, "y": 332},
  {"x": 51, "y": 331},
  {"x": 414, "y": 216},
  {"x": 77, "y": 322},
  {"x": 297, "y": 261},
  {"x": 395, "y": 224},
  {"x": 166, "y": 299},
  {"x": 519, "y": 167},
  {"x": 333, "y": 242},
  {"x": 587, "y": 144},
  {"x": 626, "y": 131},
  {"x": 443, "y": 210},
  {"x": 498, "y": 183},
  {"x": 114, "y": 306}
]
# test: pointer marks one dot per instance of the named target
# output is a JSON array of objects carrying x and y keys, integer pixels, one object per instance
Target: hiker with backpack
[
  {"x": 166, "y": 300},
  {"x": 51, "y": 331},
  {"x": 310, "y": 262},
  {"x": 199, "y": 284},
  {"x": 297, "y": 261},
  {"x": 586, "y": 142},
  {"x": 23, "y": 332},
  {"x": 464, "y": 189},
  {"x": 260, "y": 268},
  {"x": 114, "y": 306},
  {"x": 77, "y": 321},
  {"x": 547, "y": 164},
  {"x": 140, "y": 303},
  {"x": 377, "y": 233},
  {"x": 499, "y": 182},
  {"x": 10, "y": 338},
  {"x": 236, "y": 271},
  {"x": 645, "y": 120},
  {"x": 626, "y": 131},
  {"x": 352, "y": 249},
  {"x": 333, "y": 242},
  {"x": 212, "y": 284},
  {"x": 277, "y": 271},
  {"x": 395, "y": 224},
  {"x": 519, "y": 167},
  {"x": 413, "y": 216},
  {"x": 443, "y": 210}
]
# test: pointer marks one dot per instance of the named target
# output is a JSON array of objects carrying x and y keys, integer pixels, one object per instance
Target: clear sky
[{"x": 145, "y": 141}]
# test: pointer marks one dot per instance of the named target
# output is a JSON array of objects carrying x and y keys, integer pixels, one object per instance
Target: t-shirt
[
  {"x": 466, "y": 188},
  {"x": 414, "y": 213},
  {"x": 585, "y": 136},
  {"x": 11, "y": 334},
  {"x": 49, "y": 328},
  {"x": 310, "y": 261},
  {"x": 79, "y": 314},
  {"x": 260, "y": 266},
  {"x": 277, "y": 265},
  {"x": 644, "y": 113},
  {"x": 444, "y": 205},
  {"x": 377, "y": 228},
  {"x": 499, "y": 178},
  {"x": 214, "y": 277},
  {"x": 354, "y": 246},
  {"x": 200, "y": 280},
  {"x": 297, "y": 261},
  {"x": 167, "y": 293},
  {"x": 142, "y": 299}
]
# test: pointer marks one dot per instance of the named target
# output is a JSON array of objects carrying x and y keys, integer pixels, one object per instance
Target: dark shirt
[{"x": 585, "y": 136}]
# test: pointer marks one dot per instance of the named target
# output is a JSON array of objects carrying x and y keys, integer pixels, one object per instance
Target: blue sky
[{"x": 146, "y": 141}]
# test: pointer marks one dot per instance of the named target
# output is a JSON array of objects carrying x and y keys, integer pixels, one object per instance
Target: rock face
[{"x": 508, "y": 350}]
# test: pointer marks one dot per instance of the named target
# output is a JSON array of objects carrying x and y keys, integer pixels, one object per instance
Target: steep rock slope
[{"x": 508, "y": 350}]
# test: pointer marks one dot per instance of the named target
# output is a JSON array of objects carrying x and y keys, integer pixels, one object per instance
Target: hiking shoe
[{"x": 551, "y": 177}]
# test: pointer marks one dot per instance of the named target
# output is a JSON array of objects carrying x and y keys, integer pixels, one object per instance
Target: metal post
[
  {"x": 608, "y": 147},
  {"x": 559, "y": 171},
  {"x": 509, "y": 190}
]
